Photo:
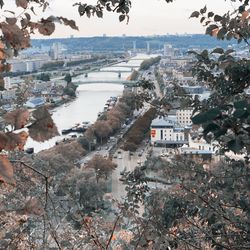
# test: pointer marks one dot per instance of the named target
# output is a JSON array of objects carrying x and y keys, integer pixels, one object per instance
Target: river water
[{"x": 90, "y": 100}]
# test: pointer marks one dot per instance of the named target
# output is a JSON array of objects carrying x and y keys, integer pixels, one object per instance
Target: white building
[
  {"x": 28, "y": 65},
  {"x": 184, "y": 117},
  {"x": 199, "y": 148},
  {"x": 168, "y": 50},
  {"x": 7, "y": 83},
  {"x": 56, "y": 51},
  {"x": 8, "y": 94},
  {"x": 167, "y": 132}
]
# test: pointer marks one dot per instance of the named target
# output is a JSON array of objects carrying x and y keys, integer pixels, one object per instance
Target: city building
[
  {"x": 198, "y": 149},
  {"x": 2, "y": 123},
  {"x": 27, "y": 65},
  {"x": 35, "y": 102},
  {"x": 8, "y": 95},
  {"x": 7, "y": 82},
  {"x": 167, "y": 132},
  {"x": 148, "y": 47},
  {"x": 184, "y": 117},
  {"x": 168, "y": 50},
  {"x": 134, "y": 46},
  {"x": 55, "y": 51}
]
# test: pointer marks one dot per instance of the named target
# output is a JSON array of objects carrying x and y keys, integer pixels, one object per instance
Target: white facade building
[
  {"x": 8, "y": 94},
  {"x": 28, "y": 65},
  {"x": 201, "y": 144},
  {"x": 7, "y": 83},
  {"x": 184, "y": 117},
  {"x": 168, "y": 50},
  {"x": 166, "y": 132}
]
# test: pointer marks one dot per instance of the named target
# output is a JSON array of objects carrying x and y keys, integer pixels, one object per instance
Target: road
[{"x": 128, "y": 162}]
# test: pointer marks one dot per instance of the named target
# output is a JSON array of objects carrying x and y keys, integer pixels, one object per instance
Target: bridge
[
  {"x": 114, "y": 71},
  {"x": 126, "y": 66},
  {"x": 124, "y": 82}
]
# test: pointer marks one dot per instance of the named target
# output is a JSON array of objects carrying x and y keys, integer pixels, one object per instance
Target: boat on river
[{"x": 75, "y": 129}]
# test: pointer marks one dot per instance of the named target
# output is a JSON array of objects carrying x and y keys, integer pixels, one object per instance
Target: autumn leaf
[
  {"x": 18, "y": 38},
  {"x": 22, "y": 3},
  {"x": 46, "y": 27},
  {"x": 244, "y": 15},
  {"x": 17, "y": 118},
  {"x": 43, "y": 128},
  {"x": 11, "y": 20},
  {"x": 11, "y": 141},
  {"x": 68, "y": 22},
  {"x": 215, "y": 32},
  {"x": 6, "y": 170}
]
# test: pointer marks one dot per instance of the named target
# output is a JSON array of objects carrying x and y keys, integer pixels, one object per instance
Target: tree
[
  {"x": 102, "y": 130},
  {"x": 43, "y": 77},
  {"x": 103, "y": 167},
  {"x": 68, "y": 78}
]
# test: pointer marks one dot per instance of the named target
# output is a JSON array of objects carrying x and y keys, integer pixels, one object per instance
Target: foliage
[
  {"x": 43, "y": 77},
  {"x": 139, "y": 130},
  {"x": 103, "y": 167},
  {"x": 52, "y": 65},
  {"x": 233, "y": 24},
  {"x": 146, "y": 64},
  {"x": 70, "y": 89},
  {"x": 68, "y": 78},
  {"x": 225, "y": 115}
]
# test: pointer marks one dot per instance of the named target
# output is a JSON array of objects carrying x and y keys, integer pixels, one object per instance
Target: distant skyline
[{"x": 147, "y": 17}]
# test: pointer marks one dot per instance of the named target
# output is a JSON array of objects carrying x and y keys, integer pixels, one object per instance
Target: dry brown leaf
[
  {"x": 18, "y": 38},
  {"x": 17, "y": 118},
  {"x": 215, "y": 32},
  {"x": 11, "y": 141},
  {"x": 43, "y": 128},
  {"x": 244, "y": 15},
  {"x": 68, "y": 22},
  {"x": 22, "y": 3},
  {"x": 6, "y": 170},
  {"x": 46, "y": 27},
  {"x": 11, "y": 20}
]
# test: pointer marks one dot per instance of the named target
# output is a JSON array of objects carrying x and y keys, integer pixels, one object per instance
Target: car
[
  {"x": 131, "y": 153},
  {"x": 114, "y": 156},
  {"x": 107, "y": 147},
  {"x": 119, "y": 152},
  {"x": 119, "y": 156},
  {"x": 140, "y": 154}
]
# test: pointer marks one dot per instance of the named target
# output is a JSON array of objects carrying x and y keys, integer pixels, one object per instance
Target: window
[{"x": 161, "y": 134}]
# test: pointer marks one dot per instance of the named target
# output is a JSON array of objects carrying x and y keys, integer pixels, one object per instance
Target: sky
[{"x": 147, "y": 17}]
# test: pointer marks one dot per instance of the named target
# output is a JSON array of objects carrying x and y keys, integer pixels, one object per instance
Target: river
[{"x": 90, "y": 100}]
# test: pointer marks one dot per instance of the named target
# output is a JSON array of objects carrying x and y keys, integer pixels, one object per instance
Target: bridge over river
[{"x": 124, "y": 82}]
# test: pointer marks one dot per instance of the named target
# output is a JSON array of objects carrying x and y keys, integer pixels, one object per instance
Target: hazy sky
[{"x": 147, "y": 17}]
